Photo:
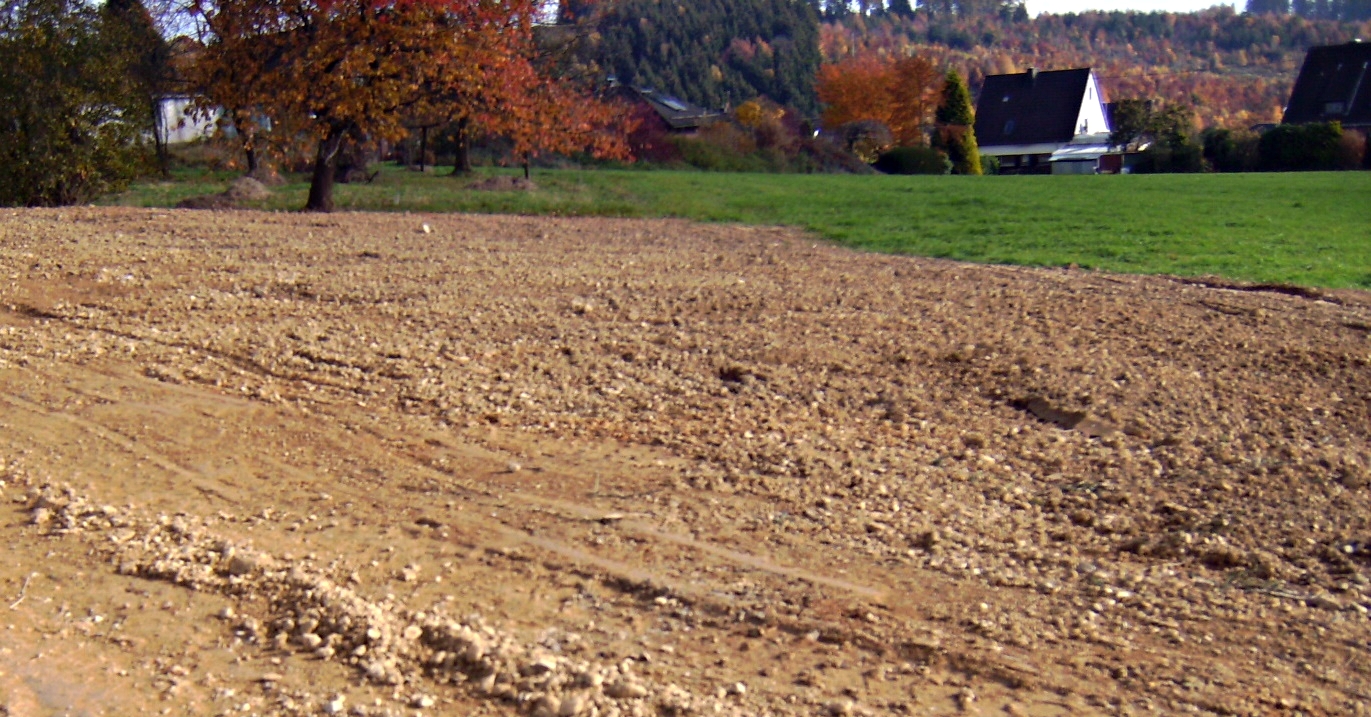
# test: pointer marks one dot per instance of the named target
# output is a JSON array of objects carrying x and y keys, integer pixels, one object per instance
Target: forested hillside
[
  {"x": 716, "y": 53},
  {"x": 1235, "y": 69}
]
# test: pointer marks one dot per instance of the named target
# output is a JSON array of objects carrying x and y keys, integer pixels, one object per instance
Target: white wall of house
[
  {"x": 177, "y": 127},
  {"x": 1091, "y": 118}
]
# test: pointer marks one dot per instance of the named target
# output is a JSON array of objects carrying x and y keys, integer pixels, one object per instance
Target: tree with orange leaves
[
  {"x": 549, "y": 116},
  {"x": 511, "y": 94},
  {"x": 901, "y": 94},
  {"x": 356, "y": 69}
]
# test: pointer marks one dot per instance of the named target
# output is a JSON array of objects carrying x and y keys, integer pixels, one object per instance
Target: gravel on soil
[{"x": 448, "y": 464}]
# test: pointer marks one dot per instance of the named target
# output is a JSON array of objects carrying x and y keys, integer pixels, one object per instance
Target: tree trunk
[
  {"x": 242, "y": 124},
  {"x": 423, "y": 147},
  {"x": 325, "y": 164},
  {"x": 160, "y": 138},
  {"x": 462, "y": 165},
  {"x": 527, "y": 159}
]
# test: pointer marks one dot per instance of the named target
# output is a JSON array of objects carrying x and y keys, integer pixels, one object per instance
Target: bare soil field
[{"x": 280, "y": 464}]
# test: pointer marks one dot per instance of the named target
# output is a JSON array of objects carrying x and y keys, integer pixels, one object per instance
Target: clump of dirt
[
  {"x": 557, "y": 467},
  {"x": 247, "y": 189},
  {"x": 503, "y": 183},
  {"x": 268, "y": 175}
]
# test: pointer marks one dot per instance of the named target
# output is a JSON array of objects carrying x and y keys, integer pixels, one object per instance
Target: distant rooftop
[
  {"x": 678, "y": 113},
  {"x": 1030, "y": 107},
  {"x": 1334, "y": 85}
]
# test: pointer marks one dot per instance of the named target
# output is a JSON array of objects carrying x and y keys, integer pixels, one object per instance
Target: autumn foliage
[
  {"x": 354, "y": 70},
  {"x": 900, "y": 93},
  {"x": 1235, "y": 69}
]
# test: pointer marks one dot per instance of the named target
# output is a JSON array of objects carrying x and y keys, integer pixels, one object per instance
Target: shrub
[
  {"x": 1165, "y": 158},
  {"x": 820, "y": 154},
  {"x": 1230, "y": 151},
  {"x": 1351, "y": 152},
  {"x": 1293, "y": 148},
  {"x": 913, "y": 160},
  {"x": 721, "y": 147},
  {"x": 866, "y": 139},
  {"x": 774, "y": 142},
  {"x": 73, "y": 128}
]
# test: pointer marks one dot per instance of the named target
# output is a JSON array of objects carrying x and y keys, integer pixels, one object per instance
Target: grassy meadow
[{"x": 1311, "y": 229}]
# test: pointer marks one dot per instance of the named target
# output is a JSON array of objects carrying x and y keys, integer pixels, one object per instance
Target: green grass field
[{"x": 1311, "y": 229}]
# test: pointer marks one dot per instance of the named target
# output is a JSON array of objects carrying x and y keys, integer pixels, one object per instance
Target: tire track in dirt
[
  {"x": 616, "y": 572},
  {"x": 910, "y": 641},
  {"x": 741, "y": 395},
  {"x": 612, "y": 572}
]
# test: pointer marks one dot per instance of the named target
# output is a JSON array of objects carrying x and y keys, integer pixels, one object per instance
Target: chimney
[{"x": 1032, "y": 74}]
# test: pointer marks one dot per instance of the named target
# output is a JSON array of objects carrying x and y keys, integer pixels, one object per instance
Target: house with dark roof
[
  {"x": 1038, "y": 122},
  {"x": 1334, "y": 85},
  {"x": 679, "y": 116}
]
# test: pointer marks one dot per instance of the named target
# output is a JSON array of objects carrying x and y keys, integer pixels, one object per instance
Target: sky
[{"x": 1063, "y": 6}]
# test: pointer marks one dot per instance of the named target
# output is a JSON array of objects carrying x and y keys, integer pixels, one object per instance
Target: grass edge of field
[{"x": 1243, "y": 228}]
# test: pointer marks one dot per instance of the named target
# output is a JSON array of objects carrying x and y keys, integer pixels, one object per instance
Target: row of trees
[
  {"x": 1235, "y": 69},
  {"x": 339, "y": 71},
  {"x": 1314, "y": 9},
  {"x": 1173, "y": 145},
  {"x": 1350, "y": 10},
  {"x": 80, "y": 84}
]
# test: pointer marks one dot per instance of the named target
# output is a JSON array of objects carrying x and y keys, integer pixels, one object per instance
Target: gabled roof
[
  {"x": 676, "y": 112},
  {"x": 1334, "y": 84},
  {"x": 1030, "y": 107}
]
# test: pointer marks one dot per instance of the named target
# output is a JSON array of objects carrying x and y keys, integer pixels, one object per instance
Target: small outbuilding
[{"x": 1087, "y": 154}]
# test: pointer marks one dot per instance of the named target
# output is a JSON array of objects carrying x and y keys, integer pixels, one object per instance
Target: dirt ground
[{"x": 281, "y": 464}]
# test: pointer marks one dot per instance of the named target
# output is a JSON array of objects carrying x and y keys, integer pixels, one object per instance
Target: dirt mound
[
  {"x": 243, "y": 189},
  {"x": 247, "y": 189},
  {"x": 503, "y": 183},
  {"x": 284, "y": 464},
  {"x": 269, "y": 176}
]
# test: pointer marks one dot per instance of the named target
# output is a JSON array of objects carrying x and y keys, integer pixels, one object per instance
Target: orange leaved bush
[{"x": 899, "y": 93}]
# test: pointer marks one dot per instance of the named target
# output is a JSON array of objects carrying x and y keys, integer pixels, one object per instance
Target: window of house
[
  {"x": 1334, "y": 108},
  {"x": 1009, "y": 127}
]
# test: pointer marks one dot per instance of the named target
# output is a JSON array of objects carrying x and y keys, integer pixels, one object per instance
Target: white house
[
  {"x": 177, "y": 127},
  {"x": 1043, "y": 122}
]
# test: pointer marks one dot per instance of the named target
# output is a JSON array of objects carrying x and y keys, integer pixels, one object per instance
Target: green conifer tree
[
  {"x": 955, "y": 107},
  {"x": 954, "y": 134},
  {"x": 713, "y": 53}
]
